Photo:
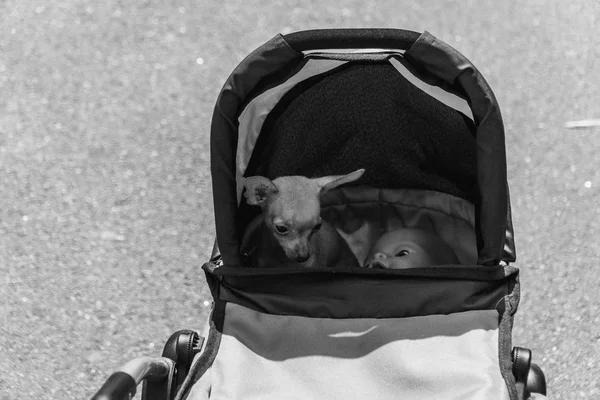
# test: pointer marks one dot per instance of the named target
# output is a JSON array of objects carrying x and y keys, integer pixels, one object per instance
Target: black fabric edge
[
  {"x": 367, "y": 294},
  {"x": 509, "y": 252},
  {"x": 460, "y": 272}
]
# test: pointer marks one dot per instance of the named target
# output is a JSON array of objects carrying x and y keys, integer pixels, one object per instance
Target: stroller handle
[
  {"x": 123, "y": 384},
  {"x": 353, "y": 38}
]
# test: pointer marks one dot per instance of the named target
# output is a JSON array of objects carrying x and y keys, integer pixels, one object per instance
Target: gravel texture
[{"x": 105, "y": 199}]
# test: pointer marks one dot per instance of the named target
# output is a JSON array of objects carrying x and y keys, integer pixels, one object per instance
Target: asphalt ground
[{"x": 105, "y": 199}]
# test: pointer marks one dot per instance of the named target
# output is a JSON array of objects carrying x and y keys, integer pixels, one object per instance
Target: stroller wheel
[
  {"x": 181, "y": 347},
  {"x": 526, "y": 373}
]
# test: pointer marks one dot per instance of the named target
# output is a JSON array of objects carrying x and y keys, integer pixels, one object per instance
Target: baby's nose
[{"x": 379, "y": 256}]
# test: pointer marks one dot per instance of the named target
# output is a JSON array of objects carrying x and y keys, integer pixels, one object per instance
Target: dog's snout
[
  {"x": 302, "y": 257},
  {"x": 296, "y": 250}
]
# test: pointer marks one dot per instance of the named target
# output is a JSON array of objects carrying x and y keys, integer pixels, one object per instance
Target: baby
[{"x": 410, "y": 248}]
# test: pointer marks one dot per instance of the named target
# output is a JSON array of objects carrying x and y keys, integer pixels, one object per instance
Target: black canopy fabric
[{"x": 365, "y": 115}]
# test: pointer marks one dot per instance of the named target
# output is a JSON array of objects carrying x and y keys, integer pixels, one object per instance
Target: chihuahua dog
[{"x": 291, "y": 231}]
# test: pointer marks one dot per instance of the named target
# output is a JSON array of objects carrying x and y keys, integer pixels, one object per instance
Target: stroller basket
[{"x": 422, "y": 122}]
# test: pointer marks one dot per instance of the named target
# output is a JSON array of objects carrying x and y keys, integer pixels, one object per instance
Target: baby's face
[{"x": 410, "y": 248}]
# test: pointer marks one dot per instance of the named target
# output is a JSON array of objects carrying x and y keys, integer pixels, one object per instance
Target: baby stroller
[{"x": 424, "y": 124}]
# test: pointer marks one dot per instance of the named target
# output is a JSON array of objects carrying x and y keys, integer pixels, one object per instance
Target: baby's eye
[
  {"x": 402, "y": 253},
  {"x": 281, "y": 229},
  {"x": 317, "y": 227}
]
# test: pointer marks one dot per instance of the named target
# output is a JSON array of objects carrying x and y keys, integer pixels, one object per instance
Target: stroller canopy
[{"x": 414, "y": 113}]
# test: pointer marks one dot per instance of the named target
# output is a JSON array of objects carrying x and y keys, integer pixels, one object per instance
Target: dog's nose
[{"x": 302, "y": 257}]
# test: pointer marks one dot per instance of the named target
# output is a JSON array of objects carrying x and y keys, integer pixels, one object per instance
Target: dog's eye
[
  {"x": 402, "y": 253},
  {"x": 317, "y": 227},
  {"x": 281, "y": 229}
]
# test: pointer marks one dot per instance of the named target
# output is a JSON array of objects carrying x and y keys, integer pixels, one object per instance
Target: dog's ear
[
  {"x": 258, "y": 190},
  {"x": 329, "y": 182}
]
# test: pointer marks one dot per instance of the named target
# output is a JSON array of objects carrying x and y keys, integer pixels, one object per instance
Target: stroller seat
[{"x": 384, "y": 358}]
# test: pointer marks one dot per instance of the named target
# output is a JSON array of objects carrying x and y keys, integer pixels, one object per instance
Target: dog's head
[{"x": 292, "y": 208}]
